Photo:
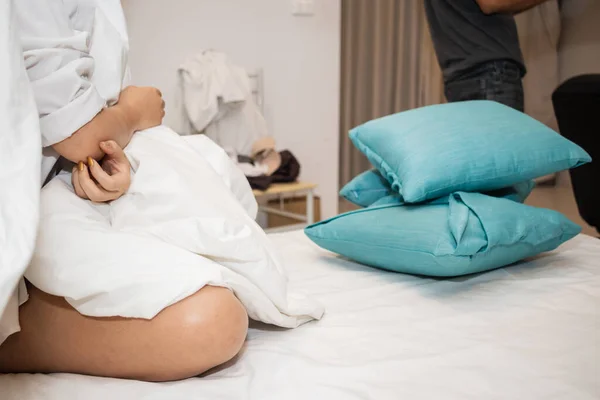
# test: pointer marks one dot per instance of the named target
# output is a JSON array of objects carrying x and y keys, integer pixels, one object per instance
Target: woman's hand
[
  {"x": 144, "y": 106},
  {"x": 105, "y": 182}
]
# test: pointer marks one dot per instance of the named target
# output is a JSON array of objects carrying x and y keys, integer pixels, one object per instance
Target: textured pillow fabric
[
  {"x": 472, "y": 146},
  {"x": 470, "y": 234},
  {"x": 366, "y": 189},
  {"x": 518, "y": 193},
  {"x": 371, "y": 188}
]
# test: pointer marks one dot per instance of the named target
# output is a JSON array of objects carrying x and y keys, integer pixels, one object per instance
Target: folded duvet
[{"x": 186, "y": 222}]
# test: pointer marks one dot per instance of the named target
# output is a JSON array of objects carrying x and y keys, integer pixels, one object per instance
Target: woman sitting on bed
[{"x": 83, "y": 121}]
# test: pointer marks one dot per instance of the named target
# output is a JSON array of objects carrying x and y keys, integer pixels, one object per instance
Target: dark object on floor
[{"x": 576, "y": 105}]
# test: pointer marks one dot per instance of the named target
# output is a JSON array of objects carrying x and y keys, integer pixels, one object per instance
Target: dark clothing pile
[{"x": 288, "y": 171}]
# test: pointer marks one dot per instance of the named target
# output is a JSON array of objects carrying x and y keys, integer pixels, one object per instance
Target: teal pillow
[
  {"x": 470, "y": 234},
  {"x": 472, "y": 146},
  {"x": 366, "y": 189},
  {"x": 371, "y": 188},
  {"x": 518, "y": 193}
]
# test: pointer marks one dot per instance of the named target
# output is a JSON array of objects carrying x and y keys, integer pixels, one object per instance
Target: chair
[{"x": 577, "y": 108}]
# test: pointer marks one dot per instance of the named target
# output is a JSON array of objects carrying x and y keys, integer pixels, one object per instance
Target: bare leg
[{"x": 184, "y": 340}]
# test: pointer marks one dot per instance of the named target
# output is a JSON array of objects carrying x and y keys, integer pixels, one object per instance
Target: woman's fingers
[
  {"x": 103, "y": 182},
  {"x": 116, "y": 164},
  {"x": 76, "y": 185},
  {"x": 91, "y": 189},
  {"x": 107, "y": 182},
  {"x": 112, "y": 149},
  {"x": 92, "y": 182}
]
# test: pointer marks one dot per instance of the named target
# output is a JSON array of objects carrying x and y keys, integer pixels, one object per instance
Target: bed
[{"x": 531, "y": 331}]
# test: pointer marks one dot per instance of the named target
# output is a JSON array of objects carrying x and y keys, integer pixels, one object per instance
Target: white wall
[{"x": 300, "y": 58}]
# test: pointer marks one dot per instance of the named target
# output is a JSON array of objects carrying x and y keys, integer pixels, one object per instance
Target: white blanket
[
  {"x": 186, "y": 222},
  {"x": 530, "y": 331},
  {"x": 19, "y": 170}
]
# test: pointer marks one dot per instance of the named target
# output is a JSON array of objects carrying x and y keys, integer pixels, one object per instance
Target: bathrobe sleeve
[{"x": 59, "y": 66}]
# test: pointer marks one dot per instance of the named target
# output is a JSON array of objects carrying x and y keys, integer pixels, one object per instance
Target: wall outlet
[{"x": 303, "y": 8}]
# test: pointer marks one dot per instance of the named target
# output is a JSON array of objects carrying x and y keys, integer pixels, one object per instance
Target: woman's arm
[
  {"x": 73, "y": 115},
  {"x": 110, "y": 124},
  {"x": 138, "y": 108}
]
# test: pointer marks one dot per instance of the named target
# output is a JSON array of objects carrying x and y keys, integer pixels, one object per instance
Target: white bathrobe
[
  {"x": 188, "y": 218},
  {"x": 217, "y": 100},
  {"x": 19, "y": 171}
]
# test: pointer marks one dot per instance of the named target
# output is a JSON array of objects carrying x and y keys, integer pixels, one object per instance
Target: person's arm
[
  {"x": 110, "y": 124},
  {"x": 74, "y": 119},
  {"x": 507, "y": 6},
  {"x": 138, "y": 108}
]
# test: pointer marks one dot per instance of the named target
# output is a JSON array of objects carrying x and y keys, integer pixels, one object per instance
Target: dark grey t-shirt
[{"x": 464, "y": 37}]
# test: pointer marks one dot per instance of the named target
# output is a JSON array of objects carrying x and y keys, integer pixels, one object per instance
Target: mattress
[{"x": 531, "y": 331}]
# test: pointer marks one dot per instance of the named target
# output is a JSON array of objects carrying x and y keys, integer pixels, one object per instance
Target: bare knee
[
  {"x": 206, "y": 330},
  {"x": 186, "y": 339}
]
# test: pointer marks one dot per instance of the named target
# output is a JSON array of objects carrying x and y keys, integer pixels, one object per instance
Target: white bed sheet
[{"x": 531, "y": 331}]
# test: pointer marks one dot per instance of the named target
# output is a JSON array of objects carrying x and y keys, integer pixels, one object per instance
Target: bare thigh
[{"x": 184, "y": 340}]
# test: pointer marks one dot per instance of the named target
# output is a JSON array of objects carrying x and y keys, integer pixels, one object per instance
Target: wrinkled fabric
[
  {"x": 525, "y": 332},
  {"x": 371, "y": 189},
  {"x": 20, "y": 160},
  {"x": 289, "y": 170},
  {"x": 497, "y": 80},
  {"x": 471, "y": 233},
  {"x": 188, "y": 218},
  {"x": 179, "y": 228},
  {"x": 470, "y": 146},
  {"x": 75, "y": 54},
  {"x": 216, "y": 99}
]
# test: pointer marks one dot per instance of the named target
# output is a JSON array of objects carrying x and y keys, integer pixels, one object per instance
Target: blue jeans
[{"x": 496, "y": 80}]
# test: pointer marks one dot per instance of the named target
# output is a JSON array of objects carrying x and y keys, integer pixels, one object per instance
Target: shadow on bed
[{"x": 528, "y": 269}]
